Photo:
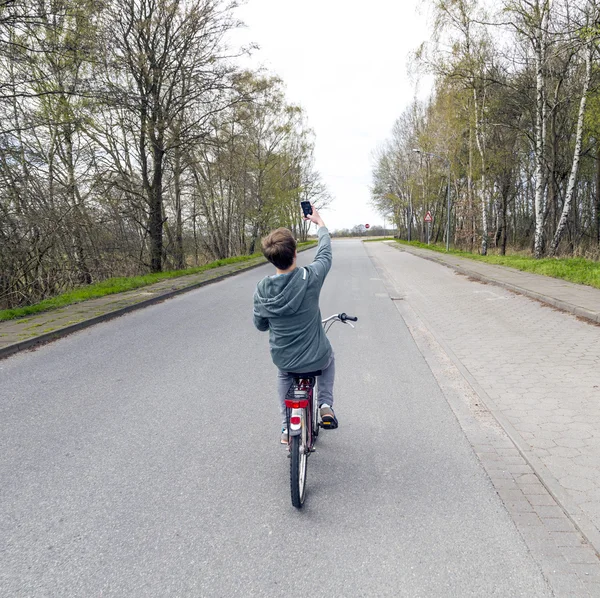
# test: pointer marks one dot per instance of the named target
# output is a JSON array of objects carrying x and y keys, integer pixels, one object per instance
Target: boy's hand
[{"x": 315, "y": 217}]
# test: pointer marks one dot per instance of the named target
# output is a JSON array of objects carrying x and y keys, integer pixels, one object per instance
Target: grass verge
[
  {"x": 120, "y": 285},
  {"x": 578, "y": 270}
]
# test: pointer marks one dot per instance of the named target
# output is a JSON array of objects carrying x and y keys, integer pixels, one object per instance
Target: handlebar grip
[{"x": 343, "y": 317}]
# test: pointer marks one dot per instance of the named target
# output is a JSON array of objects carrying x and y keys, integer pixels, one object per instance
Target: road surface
[{"x": 140, "y": 457}]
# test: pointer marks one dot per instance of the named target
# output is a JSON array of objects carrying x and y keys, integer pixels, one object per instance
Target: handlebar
[{"x": 343, "y": 317}]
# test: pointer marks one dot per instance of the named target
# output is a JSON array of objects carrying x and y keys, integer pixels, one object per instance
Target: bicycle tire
[
  {"x": 298, "y": 463},
  {"x": 315, "y": 414}
]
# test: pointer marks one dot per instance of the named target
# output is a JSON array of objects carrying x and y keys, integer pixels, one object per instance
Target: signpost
[
  {"x": 367, "y": 226},
  {"x": 447, "y": 161},
  {"x": 429, "y": 220}
]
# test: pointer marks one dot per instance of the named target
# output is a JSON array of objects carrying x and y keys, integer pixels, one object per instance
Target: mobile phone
[{"x": 306, "y": 208}]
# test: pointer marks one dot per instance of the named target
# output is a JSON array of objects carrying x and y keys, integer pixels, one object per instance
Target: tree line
[
  {"x": 512, "y": 127},
  {"x": 130, "y": 141}
]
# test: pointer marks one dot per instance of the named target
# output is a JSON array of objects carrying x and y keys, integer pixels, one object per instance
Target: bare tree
[{"x": 165, "y": 61}]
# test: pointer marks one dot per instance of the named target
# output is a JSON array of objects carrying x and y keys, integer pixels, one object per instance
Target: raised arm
[{"x": 322, "y": 262}]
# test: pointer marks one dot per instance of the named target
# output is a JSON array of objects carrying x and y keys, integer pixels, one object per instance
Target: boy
[{"x": 287, "y": 304}]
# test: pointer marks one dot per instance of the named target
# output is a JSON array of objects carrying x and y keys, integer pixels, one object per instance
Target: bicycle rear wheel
[
  {"x": 298, "y": 462},
  {"x": 315, "y": 414}
]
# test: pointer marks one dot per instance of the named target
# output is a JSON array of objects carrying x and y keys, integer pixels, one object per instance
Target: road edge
[
  {"x": 506, "y": 472},
  {"x": 48, "y": 337},
  {"x": 570, "y": 508},
  {"x": 580, "y": 312}
]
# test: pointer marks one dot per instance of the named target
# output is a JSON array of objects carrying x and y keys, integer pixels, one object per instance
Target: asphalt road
[{"x": 140, "y": 457}]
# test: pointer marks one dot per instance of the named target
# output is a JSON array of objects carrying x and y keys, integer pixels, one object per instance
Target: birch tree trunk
[
  {"x": 597, "y": 193},
  {"x": 179, "y": 249},
  {"x": 576, "y": 156},
  {"x": 480, "y": 139},
  {"x": 471, "y": 207},
  {"x": 540, "y": 128}
]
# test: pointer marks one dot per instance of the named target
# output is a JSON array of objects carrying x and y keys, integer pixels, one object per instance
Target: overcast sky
[{"x": 345, "y": 63}]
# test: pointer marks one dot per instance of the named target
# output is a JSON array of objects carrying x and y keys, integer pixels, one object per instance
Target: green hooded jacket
[{"x": 287, "y": 305}]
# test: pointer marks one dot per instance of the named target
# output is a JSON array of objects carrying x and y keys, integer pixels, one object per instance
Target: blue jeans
[{"x": 324, "y": 381}]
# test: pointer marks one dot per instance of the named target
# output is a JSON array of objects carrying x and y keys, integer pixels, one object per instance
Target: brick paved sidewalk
[
  {"x": 536, "y": 369},
  {"x": 578, "y": 299},
  {"x": 23, "y": 333}
]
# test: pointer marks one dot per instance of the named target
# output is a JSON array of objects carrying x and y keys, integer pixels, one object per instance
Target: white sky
[{"x": 345, "y": 63}]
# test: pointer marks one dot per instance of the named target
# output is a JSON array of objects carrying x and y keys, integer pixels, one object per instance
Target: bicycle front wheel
[{"x": 298, "y": 450}]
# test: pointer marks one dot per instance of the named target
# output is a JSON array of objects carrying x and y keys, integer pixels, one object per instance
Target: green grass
[
  {"x": 578, "y": 270},
  {"x": 378, "y": 239},
  {"x": 120, "y": 285}
]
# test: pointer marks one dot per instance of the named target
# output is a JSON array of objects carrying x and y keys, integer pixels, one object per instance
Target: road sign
[
  {"x": 367, "y": 226},
  {"x": 428, "y": 217}
]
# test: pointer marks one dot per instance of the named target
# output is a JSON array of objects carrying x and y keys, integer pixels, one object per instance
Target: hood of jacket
[{"x": 281, "y": 295}]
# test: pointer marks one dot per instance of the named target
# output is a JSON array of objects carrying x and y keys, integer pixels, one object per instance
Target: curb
[
  {"x": 579, "y": 519},
  {"x": 574, "y": 513},
  {"x": 557, "y": 303},
  {"x": 56, "y": 334}
]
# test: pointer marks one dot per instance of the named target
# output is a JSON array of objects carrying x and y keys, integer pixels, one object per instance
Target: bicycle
[{"x": 302, "y": 415}]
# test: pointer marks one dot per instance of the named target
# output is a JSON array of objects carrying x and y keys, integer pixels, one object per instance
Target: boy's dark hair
[{"x": 279, "y": 247}]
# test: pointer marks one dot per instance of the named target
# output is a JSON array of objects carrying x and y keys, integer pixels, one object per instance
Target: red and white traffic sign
[
  {"x": 367, "y": 226},
  {"x": 428, "y": 217}
]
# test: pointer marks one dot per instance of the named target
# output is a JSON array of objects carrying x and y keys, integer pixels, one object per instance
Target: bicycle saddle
[{"x": 306, "y": 374}]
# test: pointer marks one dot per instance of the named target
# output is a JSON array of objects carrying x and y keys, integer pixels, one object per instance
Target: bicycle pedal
[{"x": 329, "y": 426}]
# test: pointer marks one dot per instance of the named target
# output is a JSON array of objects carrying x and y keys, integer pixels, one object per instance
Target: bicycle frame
[
  {"x": 302, "y": 421},
  {"x": 303, "y": 390}
]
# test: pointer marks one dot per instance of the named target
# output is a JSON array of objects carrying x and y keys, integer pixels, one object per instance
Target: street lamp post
[
  {"x": 409, "y": 212},
  {"x": 418, "y": 151}
]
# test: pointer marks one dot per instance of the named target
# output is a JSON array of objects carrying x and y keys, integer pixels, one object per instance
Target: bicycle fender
[{"x": 295, "y": 429}]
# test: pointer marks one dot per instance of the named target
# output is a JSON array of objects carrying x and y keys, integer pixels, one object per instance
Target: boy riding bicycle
[{"x": 287, "y": 304}]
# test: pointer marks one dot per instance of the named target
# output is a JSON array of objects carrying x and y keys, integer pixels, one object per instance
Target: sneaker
[
  {"x": 284, "y": 436},
  {"x": 328, "y": 418}
]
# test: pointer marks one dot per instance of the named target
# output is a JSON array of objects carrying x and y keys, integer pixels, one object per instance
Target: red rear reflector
[
  {"x": 295, "y": 421},
  {"x": 290, "y": 404}
]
